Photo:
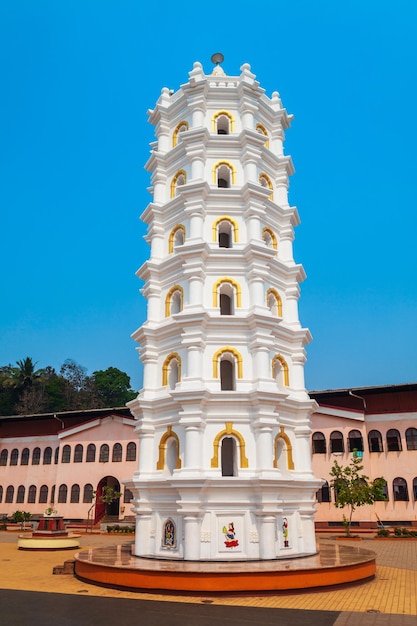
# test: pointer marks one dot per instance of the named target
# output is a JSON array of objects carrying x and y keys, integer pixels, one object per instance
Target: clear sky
[{"x": 77, "y": 80}]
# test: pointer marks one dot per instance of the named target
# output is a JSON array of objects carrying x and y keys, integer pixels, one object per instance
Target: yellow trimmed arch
[
  {"x": 271, "y": 233},
  {"x": 228, "y": 431},
  {"x": 228, "y": 115},
  {"x": 172, "y": 237},
  {"x": 284, "y": 365},
  {"x": 229, "y": 165},
  {"x": 169, "y": 434},
  {"x": 234, "y": 283},
  {"x": 288, "y": 449},
  {"x": 169, "y": 296},
  {"x": 261, "y": 129},
  {"x": 175, "y": 179},
  {"x": 235, "y": 353},
  {"x": 226, "y": 218},
  {"x": 265, "y": 181},
  {"x": 165, "y": 367},
  {"x": 274, "y": 292},
  {"x": 181, "y": 127}
]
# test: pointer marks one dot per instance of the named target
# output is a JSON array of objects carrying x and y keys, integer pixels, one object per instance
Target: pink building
[
  {"x": 381, "y": 424},
  {"x": 60, "y": 460}
]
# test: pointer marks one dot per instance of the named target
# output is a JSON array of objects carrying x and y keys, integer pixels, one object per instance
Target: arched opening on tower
[
  {"x": 223, "y": 176},
  {"x": 227, "y": 375},
  {"x": 225, "y": 304},
  {"x": 225, "y": 234},
  {"x": 173, "y": 373},
  {"x": 228, "y": 457},
  {"x": 176, "y": 302},
  {"x": 171, "y": 455},
  {"x": 223, "y": 125}
]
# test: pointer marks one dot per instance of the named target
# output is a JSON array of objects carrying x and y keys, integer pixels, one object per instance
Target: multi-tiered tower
[{"x": 223, "y": 417}]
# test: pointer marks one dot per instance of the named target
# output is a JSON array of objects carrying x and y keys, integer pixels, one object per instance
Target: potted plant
[{"x": 50, "y": 512}]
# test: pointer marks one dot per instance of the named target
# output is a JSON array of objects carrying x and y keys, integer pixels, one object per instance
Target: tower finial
[{"x": 217, "y": 58}]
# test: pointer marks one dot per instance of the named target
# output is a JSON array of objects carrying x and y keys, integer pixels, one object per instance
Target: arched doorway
[{"x": 103, "y": 508}]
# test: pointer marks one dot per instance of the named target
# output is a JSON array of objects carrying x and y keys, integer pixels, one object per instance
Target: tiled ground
[{"x": 388, "y": 600}]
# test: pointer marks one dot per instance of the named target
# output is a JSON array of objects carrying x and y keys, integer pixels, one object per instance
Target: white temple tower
[{"x": 223, "y": 417}]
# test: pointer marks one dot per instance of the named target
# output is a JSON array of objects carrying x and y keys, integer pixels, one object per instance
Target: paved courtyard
[{"x": 30, "y": 595}]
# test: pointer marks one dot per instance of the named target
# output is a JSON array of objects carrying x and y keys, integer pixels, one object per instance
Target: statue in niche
[
  {"x": 230, "y": 536},
  {"x": 285, "y": 532},
  {"x": 169, "y": 539}
]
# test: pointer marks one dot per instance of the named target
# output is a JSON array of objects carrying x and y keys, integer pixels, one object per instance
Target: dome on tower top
[{"x": 218, "y": 58}]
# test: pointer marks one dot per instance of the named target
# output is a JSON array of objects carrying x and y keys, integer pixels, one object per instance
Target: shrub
[
  {"x": 405, "y": 532},
  {"x": 383, "y": 532},
  {"x": 397, "y": 531}
]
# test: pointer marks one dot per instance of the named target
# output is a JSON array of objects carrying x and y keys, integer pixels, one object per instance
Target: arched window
[
  {"x": 260, "y": 128},
  {"x": 226, "y": 292},
  {"x": 176, "y": 238},
  {"x": 9, "y": 494},
  {"x": 384, "y": 490},
  {"x": 1, "y": 493},
  {"x": 88, "y": 493},
  {"x": 400, "y": 489},
  {"x": 56, "y": 456},
  {"x": 53, "y": 494},
  {"x": 78, "y": 453},
  {"x": 274, "y": 302},
  {"x": 228, "y": 456},
  {"x": 91, "y": 453},
  {"x": 169, "y": 451},
  {"x": 62, "y": 494},
  {"x": 225, "y": 363},
  {"x": 323, "y": 494},
  {"x": 415, "y": 488},
  {"x": 66, "y": 454},
  {"x": 375, "y": 441},
  {"x": 319, "y": 443},
  {"x": 224, "y": 176},
  {"x": 20, "y": 498},
  {"x": 24, "y": 459},
  {"x": 174, "y": 300},
  {"x": 179, "y": 179},
  {"x": 32, "y": 494},
  {"x": 180, "y": 128},
  {"x": 14, "y": 456},
  {"x": 411, "y": 438},
  {"x": 117, "y": 453},
  {"x": 393, "y": 440},
  {"x": 4, "y": 456},
  {"x": 240, "y": 456},
  {"x": 127, "y": 496},
  {"x": 36, "y": 456},
  {"x": 171, "y": 370},
  {"x": 336, "y": 442},
  {"x": 227, "y": 373},
  {"x": 47, "y": 456},
  {"x": 223, "y": 123},
  {"x": 280, "y": 371},
  {"x": 265, "y": 181},
  {"x": 43, "y": 494},
  {"x": 355, "y": 441},
  {"x": 269, "y": 238},
  {"x": 283, "y": 459},
  {"x": 225, "y": 231},
  {"x": 75, "y": 493},
  {"x": 104, "y": 453},
  {"x": 131, "y": 451}
]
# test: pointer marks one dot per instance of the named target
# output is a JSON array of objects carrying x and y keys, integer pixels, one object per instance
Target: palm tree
[{"x": 25, "y": 374}]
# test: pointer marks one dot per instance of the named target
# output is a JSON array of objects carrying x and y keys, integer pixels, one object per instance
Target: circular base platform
[
  {"x": 70, "y": 541},
  {"x": 334, "y": 564}
]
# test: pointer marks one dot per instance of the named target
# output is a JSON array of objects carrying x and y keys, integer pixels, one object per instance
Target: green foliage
[
  {"x": 25, "y": 390},
  {"x": 20, "y": 517},
  {"x": 120, "y": 529},
  {"x": 109, "y": 494},
  {"x": 383, "y": 532},
  {"x": 353, "y": 489},
  {"x": 113, "y": 387}
]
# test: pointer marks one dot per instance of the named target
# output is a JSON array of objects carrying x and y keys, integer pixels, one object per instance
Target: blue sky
[{"x": 77, "y": 80}]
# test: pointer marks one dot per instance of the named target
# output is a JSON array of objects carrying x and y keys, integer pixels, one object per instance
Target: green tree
[
  {"x": 113, "y": 387},
  {"x": 352, "y": 488},
  {"x": 79, "y": 389}
]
